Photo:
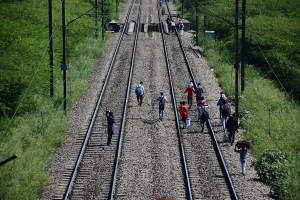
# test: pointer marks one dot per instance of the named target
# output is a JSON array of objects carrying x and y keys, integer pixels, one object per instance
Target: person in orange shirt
[
  {"x": 184, "y": 112},
  {"x": 190, "y": 94}
]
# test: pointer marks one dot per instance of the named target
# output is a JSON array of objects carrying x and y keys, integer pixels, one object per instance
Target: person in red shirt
[
  {"x": 190, "y": 94},
  {"x": 184, "y": 112}
]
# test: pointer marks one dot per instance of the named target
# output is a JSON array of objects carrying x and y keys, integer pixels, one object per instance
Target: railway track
[
  {"x": 90, "y": 177},
  {"x": 158, "y": 159},
  {"x": 207, "y": 169}
]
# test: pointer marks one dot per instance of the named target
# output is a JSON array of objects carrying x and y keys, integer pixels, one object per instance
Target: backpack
[
  {"x": 198, "y": 91},
  {"x": 161, "y": 100},
  {"x": 181, "y": 26},
  {"x": 138, "y": 90},
  {"x": 202, "y": 103},
  {"x": 205, "y": 115},
  {"x": 232, "y": 124},
  {"x": 225, "y": 110}
]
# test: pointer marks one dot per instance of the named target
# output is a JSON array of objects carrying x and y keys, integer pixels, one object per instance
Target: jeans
[
  {"x": 109, "y": 138},
  {"x": 184, "y": 121},
  {"x": 243, "y": 163},
  {"x": 139, "y": 99},
  {"x": 190, "y": 102},
  {"x": 202, "y": 123},
  {"x": 223, "y": 121},
  {"x": 220, "y": 113},
  {"x": 231, "y": 136},
  {"x": 161, "y": 113}
]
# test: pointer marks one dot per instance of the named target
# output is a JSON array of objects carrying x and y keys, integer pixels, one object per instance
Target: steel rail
[
  {"x": 123, "y": 123},
  {"x": 95, "y": 112},
  {"x": 179, "y": 133},
  {"x": 221, "y": 160},
  {"x": 183, "y": 52}
]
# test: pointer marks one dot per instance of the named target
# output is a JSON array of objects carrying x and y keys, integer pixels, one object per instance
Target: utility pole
[
  {"x": 236, "y": 64},
  {"x": 243, "y": 45},
  {"x": 64, "y": 57},
  {"x": 102, "y": 22},
  {"x": 204, "y": 27},
  {"x": 117, "y": 3},
  {"x": 182, "y": 8},
  {"x": 197, "y": 18},
  {"x": 96, "y": 17},
  {"x": 51, "y": 46}
]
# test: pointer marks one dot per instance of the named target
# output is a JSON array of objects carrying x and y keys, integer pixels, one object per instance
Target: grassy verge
[
  {"x": 39, "y": 124},
  {"x": 35, "y": 136},
  {"x": 269, "y": 118}
]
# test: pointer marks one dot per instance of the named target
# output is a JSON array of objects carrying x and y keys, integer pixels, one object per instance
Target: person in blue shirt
[
  {"x": 139, "y": 91},
  {"x": 222, "y": 100},
  {"x": 161, "y": 105},
  {"x": 110, "y": 126},
  {"x": 243, "y": 156}
]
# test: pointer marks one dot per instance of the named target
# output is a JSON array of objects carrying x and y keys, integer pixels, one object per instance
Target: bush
[{"x": 273, "y": 169}]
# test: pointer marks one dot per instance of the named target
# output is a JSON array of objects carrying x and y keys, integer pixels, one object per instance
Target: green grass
[
  {"x": 39, "y": 124},
  {"x": 268, "y": 114},
  {"x": 36, "y": 135},
  {"x": 270, "y": 119}
]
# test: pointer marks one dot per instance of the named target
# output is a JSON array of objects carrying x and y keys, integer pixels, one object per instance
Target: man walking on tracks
[
  {"x": 139, "y": 91},
  {"x": 198, "y": 92},
  {"x": 232, "y": 125},
  {"x": 161, "y": 105},
  {"x": 184, "y": 113},
  {"x": 190, "y": 90},
  {"x": 163, "y": 12},
  {"x": 110, "y": 126}
]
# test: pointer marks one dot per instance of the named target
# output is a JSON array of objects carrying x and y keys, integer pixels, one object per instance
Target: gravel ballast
[{"x": 150, "y": 157}]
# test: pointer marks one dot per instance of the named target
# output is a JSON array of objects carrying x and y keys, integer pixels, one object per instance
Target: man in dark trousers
[
  {"x": 231, "y": 126},
  {"x": 139, "y": 91},
  {"x": 110, "y": 126},
  {"x": 161, "y": 105},
  {"x": 204, "y": 117},
  {"x": 198, "y": 92}
]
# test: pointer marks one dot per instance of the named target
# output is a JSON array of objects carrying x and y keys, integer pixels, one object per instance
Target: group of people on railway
[
  {"x": 172, "y": 26},
  {"x": 230, "y": 123},
  {"x": 228, "y": 119},
  {"x": 203, "y": 115}
]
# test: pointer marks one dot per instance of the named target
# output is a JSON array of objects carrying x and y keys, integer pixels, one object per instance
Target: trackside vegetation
[
  {"x": 32, "y": 123},
  {"x": 268, "y": 108}
]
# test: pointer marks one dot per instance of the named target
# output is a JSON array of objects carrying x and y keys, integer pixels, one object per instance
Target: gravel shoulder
[{"x": 143, "y": 123}]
